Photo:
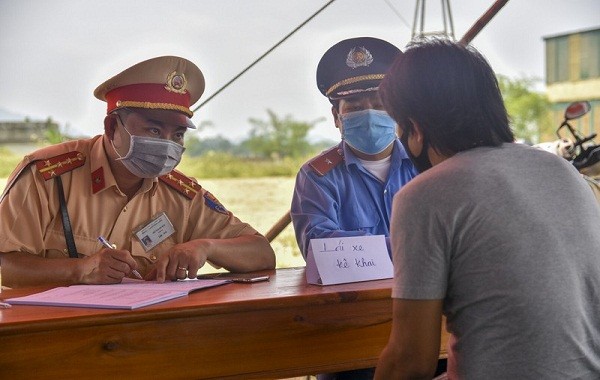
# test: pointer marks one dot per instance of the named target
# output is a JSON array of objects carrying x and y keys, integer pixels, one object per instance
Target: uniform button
[
  {"x": 125, "y": 209},
  {"x": 385, "y": 191},
  {"x": 153, "y": 257}
]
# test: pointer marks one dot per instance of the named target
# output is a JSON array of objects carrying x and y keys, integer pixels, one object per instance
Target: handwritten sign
[{"x": 348, "y": 259}]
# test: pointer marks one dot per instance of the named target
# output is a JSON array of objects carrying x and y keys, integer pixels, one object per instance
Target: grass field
[{"x": 259, "y": 202}]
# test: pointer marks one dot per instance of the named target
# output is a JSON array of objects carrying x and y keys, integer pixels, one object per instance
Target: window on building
[
  {"x": 590, "y": 55},
  {"x": 557, "y": 59}
]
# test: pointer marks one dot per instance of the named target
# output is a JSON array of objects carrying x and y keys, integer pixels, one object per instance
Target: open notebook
[{"x": 130, "y": 294}]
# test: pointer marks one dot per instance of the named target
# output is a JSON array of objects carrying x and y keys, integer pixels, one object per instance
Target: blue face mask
[{"x": 368, "y": 131}]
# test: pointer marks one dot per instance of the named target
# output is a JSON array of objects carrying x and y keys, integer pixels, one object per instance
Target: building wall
[
  {"x": 573, "y": 74},
  {"x": 24, "y": 131},
  {"x": 574, "y": 90}
]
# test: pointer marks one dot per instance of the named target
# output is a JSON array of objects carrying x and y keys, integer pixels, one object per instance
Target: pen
[{"x": 108, "y": 245}]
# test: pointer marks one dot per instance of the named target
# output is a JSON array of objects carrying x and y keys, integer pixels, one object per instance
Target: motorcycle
[{"x": 580, "y": 150}]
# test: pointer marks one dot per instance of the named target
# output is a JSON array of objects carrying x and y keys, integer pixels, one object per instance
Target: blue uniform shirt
[{"x": 348, "y": 200}]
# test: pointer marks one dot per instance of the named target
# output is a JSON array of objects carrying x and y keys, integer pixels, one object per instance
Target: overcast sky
[{"x": 53, "y": 53}]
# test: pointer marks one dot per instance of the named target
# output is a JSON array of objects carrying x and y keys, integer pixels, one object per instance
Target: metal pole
[
  {"x": 482, "y": 22},
  {"x": 279, "y": 226}
]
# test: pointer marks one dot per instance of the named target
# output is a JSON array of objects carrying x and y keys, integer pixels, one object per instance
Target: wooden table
[{"x": 280, "y": 328}]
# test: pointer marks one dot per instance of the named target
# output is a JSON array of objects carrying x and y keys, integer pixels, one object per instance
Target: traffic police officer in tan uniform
[{"x": 122, "y": 185}]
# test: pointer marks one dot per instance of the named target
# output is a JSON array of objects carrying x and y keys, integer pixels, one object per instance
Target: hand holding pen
[{"x": 109, "y": 245}]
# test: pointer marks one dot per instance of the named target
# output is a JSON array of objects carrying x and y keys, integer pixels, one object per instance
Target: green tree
[
  {"x": 196, "y": 146},
  {"x": 279, "y": 137},
  {"x": 52, "y": 134},
  {"x": 529, "y": 110}
]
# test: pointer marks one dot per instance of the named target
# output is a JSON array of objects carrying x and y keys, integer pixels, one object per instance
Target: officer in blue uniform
[{"x": 348, "y": 189}]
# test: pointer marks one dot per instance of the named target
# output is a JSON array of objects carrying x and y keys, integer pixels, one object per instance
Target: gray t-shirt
[{"x": 509, "y": 238}]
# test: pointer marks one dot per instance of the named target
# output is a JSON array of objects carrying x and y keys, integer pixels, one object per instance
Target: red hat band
[{"x": 149, "y": 96}]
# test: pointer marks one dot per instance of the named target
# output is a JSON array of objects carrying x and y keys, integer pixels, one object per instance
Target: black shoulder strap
[{"x": 66, "y": 222}]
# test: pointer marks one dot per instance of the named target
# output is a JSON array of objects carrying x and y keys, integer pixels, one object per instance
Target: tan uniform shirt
[{"x": 30, "y": 208}]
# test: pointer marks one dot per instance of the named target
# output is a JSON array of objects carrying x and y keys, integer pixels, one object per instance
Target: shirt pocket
[
  {"x": 356, "y": 217},
  {"x": 56, "y": 246}
]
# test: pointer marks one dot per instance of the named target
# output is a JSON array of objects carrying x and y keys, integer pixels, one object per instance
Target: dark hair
[{"x": 451, "y": 91}]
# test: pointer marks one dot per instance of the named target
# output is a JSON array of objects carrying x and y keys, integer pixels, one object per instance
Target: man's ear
[
  {"x": 417, "y": 131},
  {"x": 336, "y": 117}
]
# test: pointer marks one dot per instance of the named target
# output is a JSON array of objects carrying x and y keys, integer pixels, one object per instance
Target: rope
[{"x": 264, "y": 55}]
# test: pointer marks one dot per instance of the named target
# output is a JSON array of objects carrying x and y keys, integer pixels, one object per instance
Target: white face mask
[{"x": 150, "y": 157}]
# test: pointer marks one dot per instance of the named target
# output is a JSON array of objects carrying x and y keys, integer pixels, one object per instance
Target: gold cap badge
[{"x": 176, "y": 83}]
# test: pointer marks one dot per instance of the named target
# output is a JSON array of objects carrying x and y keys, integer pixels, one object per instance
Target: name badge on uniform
[{"x": 155, "y": 231}]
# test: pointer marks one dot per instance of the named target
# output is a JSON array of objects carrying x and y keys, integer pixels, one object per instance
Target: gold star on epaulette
[
  {"x": 180, "y": 182},
  {"x": 60, "y": 164}
]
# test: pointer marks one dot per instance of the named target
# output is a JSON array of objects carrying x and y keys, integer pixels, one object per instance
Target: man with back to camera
[
  {"x": 477, "y": 236},
  {"x": 122, "y": 185},
  {"x": 348, "y": 190}
]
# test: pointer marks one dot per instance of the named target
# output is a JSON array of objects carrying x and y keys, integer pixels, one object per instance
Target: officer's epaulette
[
  {"x": 182, "y": 183},
  {"x": 57, "y": 165},
  {"x": 327, "y": 160}
]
